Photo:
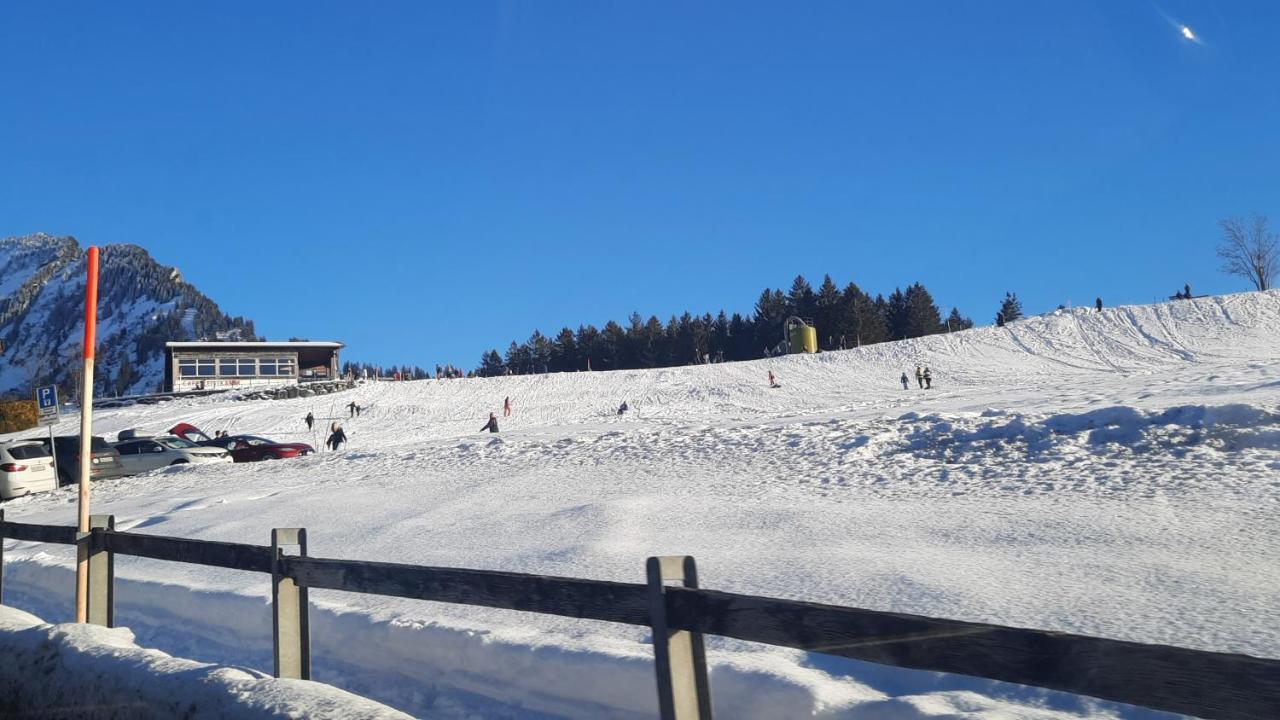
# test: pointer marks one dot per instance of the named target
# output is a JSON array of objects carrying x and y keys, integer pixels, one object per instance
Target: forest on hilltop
[{"x": 844, "y": 318}]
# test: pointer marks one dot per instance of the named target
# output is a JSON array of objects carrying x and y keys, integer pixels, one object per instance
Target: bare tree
[{"x": 1250, "y": 251}]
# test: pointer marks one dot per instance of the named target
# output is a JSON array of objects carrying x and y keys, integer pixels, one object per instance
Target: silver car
[
  {"x": 142, "y": 454},
  {"x": 25, "y": 467}
]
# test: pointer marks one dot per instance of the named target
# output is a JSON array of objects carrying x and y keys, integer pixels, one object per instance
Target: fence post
[
  {"x": 100, "y": 607},
  {"x": 679, "y": 656},
  {"x": 291, "y": 631}
]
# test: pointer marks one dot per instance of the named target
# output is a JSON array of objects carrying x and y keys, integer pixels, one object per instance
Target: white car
[
  {"x": 141, "y": 454},
  {"x": 25, "y": 467}
]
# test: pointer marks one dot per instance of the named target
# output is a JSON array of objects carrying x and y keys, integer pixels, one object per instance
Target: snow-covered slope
[
  {"x": 1113, "y": 473},
  {"x": 143, "y": 304}
]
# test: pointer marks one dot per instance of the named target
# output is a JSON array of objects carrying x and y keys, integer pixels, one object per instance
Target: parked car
[
  {"x": 25, "y": 467},
  {"x": 142, "y": 454},
  {"x": 243, "y": 448},
  {"x": 251, "y": 448},
  {"x": 104, "y": 461}
]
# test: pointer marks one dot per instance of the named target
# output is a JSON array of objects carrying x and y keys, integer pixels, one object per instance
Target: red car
[{"x": 243, "y": 448}]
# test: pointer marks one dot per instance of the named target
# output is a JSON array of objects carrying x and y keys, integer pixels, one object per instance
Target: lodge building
[{"x": 216, "y": 365}]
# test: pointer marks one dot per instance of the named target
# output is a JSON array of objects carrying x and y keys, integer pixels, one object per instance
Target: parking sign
[{"x": 47, "y": 403}]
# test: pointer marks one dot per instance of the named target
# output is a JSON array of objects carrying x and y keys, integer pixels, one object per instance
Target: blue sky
[{"x": 428, "y": 180}]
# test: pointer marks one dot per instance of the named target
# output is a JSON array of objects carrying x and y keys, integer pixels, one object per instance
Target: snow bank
[
  {"x": 1176, "y": 431},
  {"x": 87, "y": 671}
]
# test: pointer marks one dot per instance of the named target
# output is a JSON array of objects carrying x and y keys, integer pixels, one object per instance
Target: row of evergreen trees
[
  {"x": 844, "y": 319},
  {"x": 407, "y": 372}
]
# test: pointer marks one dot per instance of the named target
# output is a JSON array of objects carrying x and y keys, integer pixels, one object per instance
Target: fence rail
[{"x": 1181, "y": 680}]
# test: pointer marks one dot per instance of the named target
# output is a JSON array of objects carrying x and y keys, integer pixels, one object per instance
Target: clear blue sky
[{"x": 428, "y": 180}]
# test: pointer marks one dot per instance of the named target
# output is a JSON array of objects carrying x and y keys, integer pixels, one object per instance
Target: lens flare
[{"x": 1186, "y": 33}]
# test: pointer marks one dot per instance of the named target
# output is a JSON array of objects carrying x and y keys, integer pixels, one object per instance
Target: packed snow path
[{"x": 1113, "y": 473}]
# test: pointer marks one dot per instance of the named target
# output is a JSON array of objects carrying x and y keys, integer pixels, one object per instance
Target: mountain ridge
[{"x": 141, "y": 305}]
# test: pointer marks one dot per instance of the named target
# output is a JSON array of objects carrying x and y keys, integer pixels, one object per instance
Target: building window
[
  {"x": 284, "y": 366},
  {"x": 248, "y": 367},
  {"x": 187, "y": 368},
  {"x": 227, "y": 368},
  {"x": 205, "y": 367},
  {"x": 267, "y": 367}
]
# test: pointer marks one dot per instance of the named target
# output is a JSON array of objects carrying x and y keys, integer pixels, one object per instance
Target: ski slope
[{"x": 1113, "y": 473}]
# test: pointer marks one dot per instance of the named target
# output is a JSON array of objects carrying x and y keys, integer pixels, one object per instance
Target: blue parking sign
[{"x": 47, "y": 403}]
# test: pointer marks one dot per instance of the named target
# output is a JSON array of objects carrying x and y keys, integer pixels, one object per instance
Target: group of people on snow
[
  {"x": 337, "y": 436},
  {"x": 924, "y": 378},
  {"x": 491, "y": 425}
]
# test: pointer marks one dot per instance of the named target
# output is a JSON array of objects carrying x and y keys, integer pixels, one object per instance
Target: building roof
[{"x": 210, "y": 344}]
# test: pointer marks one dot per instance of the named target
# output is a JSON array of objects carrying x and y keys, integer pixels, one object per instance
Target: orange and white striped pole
[{"x": 86, "y": 432}]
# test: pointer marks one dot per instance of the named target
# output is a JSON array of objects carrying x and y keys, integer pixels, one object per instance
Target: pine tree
[
  {"x": 896, "y": 316},
  {"x": 800, "y": 301},
  {"x": 742, "y": 339},
  {"x": 1010, "y": 308},
  {"x": 565, "y": 353},
  {"x": 826, "y": 314},
  {"x": 519, "y": 358},
  {"x": 589, "y": 346},
  {"x": 491, "y": 364},
  {"x": 861, "y": 319},
  {"x": 956, "y": 322},
  {"x": 653, "y": 345},
  {"x": 720, "y": 340},
  {"x": 613, "y": 337},
  {"x": 772, "y": 310},
  {"x": 923, "y": 317}
]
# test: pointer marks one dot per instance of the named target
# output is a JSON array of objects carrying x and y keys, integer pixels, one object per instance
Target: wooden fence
[{"x": 1180, "y": 680}]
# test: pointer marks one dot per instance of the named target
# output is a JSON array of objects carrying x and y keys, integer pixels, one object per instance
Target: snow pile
[
  {"x": 87, "y": 671},
  {"x": 999, "y": 436},
  {"x": 1098, "y": 473}
]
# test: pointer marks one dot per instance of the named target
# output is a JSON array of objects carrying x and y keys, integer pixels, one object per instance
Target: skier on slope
[
  {"x": 492, "y": 425},
  {"x": 310, "y": 420},
  {"x": 906, "y": 384},
  {"x": 920, "y": 377},
  {"x": 506, "y": 407},
  {"x": 1098, "y": 304},
  {"x": 928, "y": 379},
  {"x": 622, "y": 408},
  {"x": 773, "y": 383}
]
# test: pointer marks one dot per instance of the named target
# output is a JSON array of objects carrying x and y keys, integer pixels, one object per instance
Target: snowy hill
[
  {"x": 142, "y": 305},
  {"x": 1110, "y": 473}
]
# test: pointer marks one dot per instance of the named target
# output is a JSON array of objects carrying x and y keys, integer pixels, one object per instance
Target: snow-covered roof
[{"x": 206, "y": 344}]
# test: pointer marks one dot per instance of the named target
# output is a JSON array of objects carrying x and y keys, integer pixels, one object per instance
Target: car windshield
[
  {"x": 257, "y": 441},
  {"x": 178, "y": 443}
]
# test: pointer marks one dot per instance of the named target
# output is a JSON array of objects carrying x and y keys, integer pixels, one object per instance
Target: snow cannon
[{"x": 801, "y": 335}]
